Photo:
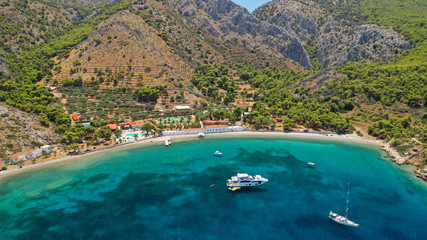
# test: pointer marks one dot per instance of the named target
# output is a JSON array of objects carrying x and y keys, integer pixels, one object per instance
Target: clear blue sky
[{"x": 251, "y": 4}]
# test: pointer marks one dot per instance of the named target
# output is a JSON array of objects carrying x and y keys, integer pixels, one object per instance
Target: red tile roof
[
  {"x": 29, "y": 153},
  {"x": 112, "y": 126},
  {"x": 216, "y": 126},
  {"x": 214, "y": 122},
  {"x": 75, "y": 117}
]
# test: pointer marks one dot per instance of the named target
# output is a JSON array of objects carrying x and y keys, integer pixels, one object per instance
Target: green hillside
[
  {"x": 388, "y": 99},
  {"x": 408, "y": 17}
]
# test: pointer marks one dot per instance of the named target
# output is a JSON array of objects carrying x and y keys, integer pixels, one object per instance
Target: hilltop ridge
[{"x": 228, "y": 20}]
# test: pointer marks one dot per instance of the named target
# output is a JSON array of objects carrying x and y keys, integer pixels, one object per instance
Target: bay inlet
[{"x": 153, "y": 192}]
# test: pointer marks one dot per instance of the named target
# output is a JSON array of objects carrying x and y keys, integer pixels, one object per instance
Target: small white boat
[
  {"x": 201, "y": 135},
  {"x": 218, "y": 153},
  {"x": 168, "y": 142},
  {"x": 310, "y": 163},
  {"x": 343, "y": 219}
]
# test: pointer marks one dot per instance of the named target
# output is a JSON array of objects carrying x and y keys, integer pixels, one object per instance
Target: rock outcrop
[
  {"x": 337, "y": 43},
  {"x": 337, "y": 40},
  {"x": 225, "y": 19},
  {"x": 300, "y": 18}
]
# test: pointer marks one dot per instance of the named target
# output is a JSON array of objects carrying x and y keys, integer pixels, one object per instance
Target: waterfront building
[
  {"x": 29, "y": 155},
  {"x": 217, "y": 129},
  {"x": 206, "y": 130}
]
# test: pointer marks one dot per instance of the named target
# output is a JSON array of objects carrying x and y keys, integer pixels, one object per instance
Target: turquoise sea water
[{"x": 153, "y": 192}]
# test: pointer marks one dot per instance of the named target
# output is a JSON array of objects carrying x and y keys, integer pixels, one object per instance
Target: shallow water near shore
[{"x": 154, "y": 192}]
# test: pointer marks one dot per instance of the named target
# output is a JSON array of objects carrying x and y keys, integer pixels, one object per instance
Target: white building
[
  {"x": 207, "y": 130},
  {"x": 217, "y": 129},
  {"x": 38, "y": 152},
  {"x": 236, "y": 128},
  {"x": 183, "y": 107},
  {"x": 46, "y": 148},
  {"x": 184, "y": 132},
  {"x": 30, "y": 155}
]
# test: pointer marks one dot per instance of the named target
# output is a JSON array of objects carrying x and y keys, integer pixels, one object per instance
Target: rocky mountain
[
  {"x": 227, "y": 20},
  {"x": 130, "y": 48},
  {"x": 338, "y": 36},
  {"x": 337, "y": 43},
  {"x": 303, "y": 19},
  {"x": 154, "y": 43}
]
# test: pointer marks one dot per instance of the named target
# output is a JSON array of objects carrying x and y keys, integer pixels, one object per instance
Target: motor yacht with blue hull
[{"x": 245, "y": 180}]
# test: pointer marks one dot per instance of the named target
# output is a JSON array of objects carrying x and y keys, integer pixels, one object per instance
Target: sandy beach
[{"x": 157, "y": 140}]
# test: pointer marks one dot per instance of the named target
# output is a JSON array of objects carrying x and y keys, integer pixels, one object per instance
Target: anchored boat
[
  {"x": 245, "y": 180},
  {"x": 343, "y": 219},
  {"x": 218, "y": 153}
]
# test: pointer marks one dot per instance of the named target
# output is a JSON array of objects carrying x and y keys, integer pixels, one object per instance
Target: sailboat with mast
[{"x": 343, "y": 219}]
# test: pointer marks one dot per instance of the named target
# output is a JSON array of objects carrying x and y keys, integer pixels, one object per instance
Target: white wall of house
[
  {"x": 205, "y": 131},
  {"x": 173, "y": 133},
  {"x": 46, "y": 148},
  {"x": 216, "y": 129},
  {"x": 194, "y": 131},
  {"x": 38, "y": 152},
  {"x": 236, "y": 128}
]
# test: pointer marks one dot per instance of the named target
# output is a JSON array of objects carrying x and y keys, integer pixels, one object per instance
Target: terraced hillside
[{"x": 124, "y": 51}]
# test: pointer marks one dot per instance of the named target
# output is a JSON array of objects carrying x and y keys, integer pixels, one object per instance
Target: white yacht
[
  {"x": 245, "y": 180},
  {"x": 343, "y": 219}
]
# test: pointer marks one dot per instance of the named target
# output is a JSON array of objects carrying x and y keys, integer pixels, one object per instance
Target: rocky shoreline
[{"x": 395, "y": 156}]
